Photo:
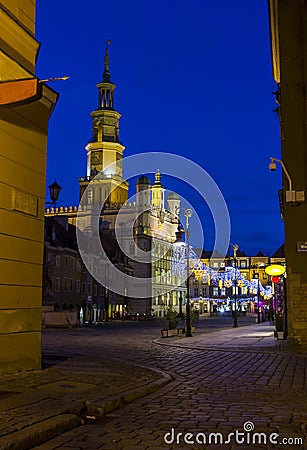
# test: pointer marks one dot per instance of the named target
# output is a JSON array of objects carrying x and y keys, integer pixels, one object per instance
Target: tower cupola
[
  {"x": 173, "y": 203},
  {"x": 143, "y": 191}
]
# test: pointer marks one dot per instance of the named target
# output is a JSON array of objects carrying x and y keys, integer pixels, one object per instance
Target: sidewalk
[
  {"x": 37, "y": 406},
  {"x": 258, "y": 337}
]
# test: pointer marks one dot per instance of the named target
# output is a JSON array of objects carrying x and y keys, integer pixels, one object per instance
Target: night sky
[{"x": 193, "y": 78}]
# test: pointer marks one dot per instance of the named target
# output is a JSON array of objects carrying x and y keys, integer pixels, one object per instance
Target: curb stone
[
  {"x": 40, "y": 432},
  {"x": 114, "y": 402},
  {"x": 240, "y": 349}
]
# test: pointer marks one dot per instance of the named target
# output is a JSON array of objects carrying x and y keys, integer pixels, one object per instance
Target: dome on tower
[
  {"x": 143, "y": 180},
  {"x": 173, "y": 196}
]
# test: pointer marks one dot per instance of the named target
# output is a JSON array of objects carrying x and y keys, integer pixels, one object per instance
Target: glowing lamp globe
[{"x": 275, "y": 270}]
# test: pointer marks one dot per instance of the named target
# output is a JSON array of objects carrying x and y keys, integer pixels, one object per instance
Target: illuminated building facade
[
  {"x": 154, "y": 229},
  {"x": 214, "y": 280}
]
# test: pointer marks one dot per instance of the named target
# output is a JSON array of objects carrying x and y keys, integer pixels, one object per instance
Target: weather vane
[{"x": 54, "y": 79}]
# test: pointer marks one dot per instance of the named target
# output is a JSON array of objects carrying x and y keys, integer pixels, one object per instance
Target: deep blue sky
[{"x": 193, "y": 78}]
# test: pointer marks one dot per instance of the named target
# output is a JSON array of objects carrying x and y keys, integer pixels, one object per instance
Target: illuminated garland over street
[{"x": 227, "y": 278}]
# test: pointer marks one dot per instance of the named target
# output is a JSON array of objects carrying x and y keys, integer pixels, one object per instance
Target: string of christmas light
[{"x": 230, "y": 276}]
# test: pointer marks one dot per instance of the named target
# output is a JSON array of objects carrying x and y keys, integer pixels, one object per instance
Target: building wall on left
[
  {"x": 23, "y": 12},
  {"x": 23, "y": 137}
]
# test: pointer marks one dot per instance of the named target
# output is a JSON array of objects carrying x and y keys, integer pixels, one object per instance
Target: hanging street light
[{"x": 54, "y": 191}]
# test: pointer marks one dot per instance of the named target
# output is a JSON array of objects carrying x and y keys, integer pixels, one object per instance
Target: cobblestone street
[{"x": 213, "y": 391}]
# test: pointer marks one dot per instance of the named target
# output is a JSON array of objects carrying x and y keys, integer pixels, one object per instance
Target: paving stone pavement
[
  {"x": 53, "y": 396},
  {"x": 234, "y": 388}
]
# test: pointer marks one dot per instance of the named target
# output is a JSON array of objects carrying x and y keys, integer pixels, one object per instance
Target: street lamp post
[
  {"x": 188, "y": 214},
  {"x": 235, "y": 316},
  {"x": 256, "y": 276},
  {"x": 54, "y": 192},
  {"x": 258, "y": 300}
]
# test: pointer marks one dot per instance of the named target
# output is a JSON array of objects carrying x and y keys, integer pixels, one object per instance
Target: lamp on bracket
[
  {"x": 292, "y": 197},
  {"x": 54, "y": 192}
]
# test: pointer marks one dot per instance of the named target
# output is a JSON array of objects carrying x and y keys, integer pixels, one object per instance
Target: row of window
[
  {"x": 203, "y": 292},
  {"x": 243, "y": 264},
  {"x": 216, "y": 291},
  {"x": 69, "y": 284},
  {"x": 102, "y": 198},
  {"x": 156, "y": 196},
  {"x": 70, "y": 262},
  {"x": 222, "y": 292}
]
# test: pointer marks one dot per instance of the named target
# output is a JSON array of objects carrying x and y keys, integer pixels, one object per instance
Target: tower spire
[
  {"x": 104, "y": 147},
  {"x": 106, "y": 72}
]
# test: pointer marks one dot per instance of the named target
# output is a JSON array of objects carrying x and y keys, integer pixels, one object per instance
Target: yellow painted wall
[
  {"x": 23, "y": 11},
  {"x": 23, "y": 138}
]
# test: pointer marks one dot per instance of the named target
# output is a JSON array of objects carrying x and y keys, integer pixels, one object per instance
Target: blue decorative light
[{"x": 229, "y": 276}]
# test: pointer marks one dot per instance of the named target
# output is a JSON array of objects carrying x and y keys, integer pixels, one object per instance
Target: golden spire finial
[
  {"x": 158, "y": 176},
  {"x": 106, "y": 73}
]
